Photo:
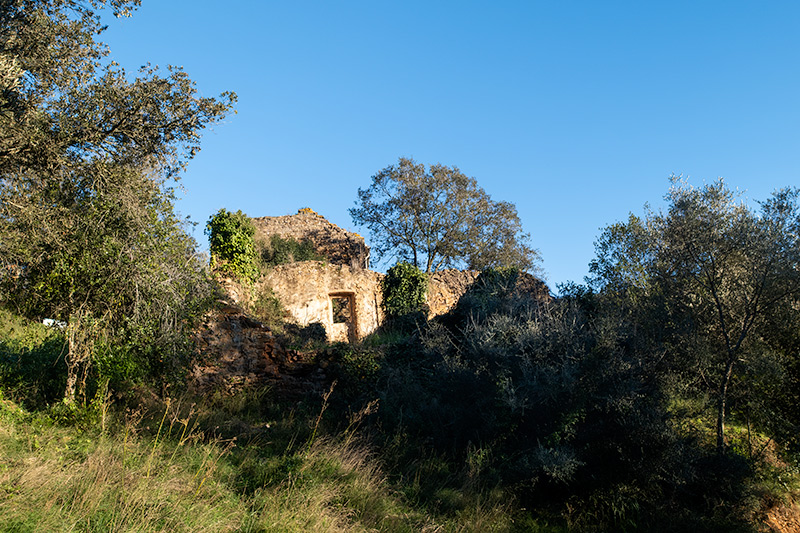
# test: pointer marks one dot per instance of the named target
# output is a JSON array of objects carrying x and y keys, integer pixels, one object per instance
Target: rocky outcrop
[{"x": 341, "y": 247}]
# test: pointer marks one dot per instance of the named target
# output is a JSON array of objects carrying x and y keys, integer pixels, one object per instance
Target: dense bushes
[
  {"x": 403, "y": 289},
  {"x": 587, "y": 411},
  {"x": 232, "y": 244},
  {"x": 565, "y": 409},
  {"x": 32, "y": 367}
]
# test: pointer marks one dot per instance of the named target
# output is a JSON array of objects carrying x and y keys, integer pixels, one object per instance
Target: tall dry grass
[
  {"x": 169, "y": 477},
  {"x": 60, "y": 479}
]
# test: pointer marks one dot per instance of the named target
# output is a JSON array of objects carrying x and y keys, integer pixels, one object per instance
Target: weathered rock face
[
  {"x": 341, "y": 247},
  {"x": 345, "y": 300}
]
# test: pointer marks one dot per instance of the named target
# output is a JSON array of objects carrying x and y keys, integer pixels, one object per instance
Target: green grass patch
[{"x": 167, "y": 472}]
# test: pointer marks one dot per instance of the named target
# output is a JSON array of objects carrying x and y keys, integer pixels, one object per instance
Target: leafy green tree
[
  {"x": 88, "y": 159},
  {"x": 438, "y": 217},
  {"x": 231, "y": 238},
  {"x": 718, "y": 271}
]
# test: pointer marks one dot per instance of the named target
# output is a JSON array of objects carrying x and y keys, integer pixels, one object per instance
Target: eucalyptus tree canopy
[
  {"x": 88, "y": 159},
  {"x": 438, "y": 217}
]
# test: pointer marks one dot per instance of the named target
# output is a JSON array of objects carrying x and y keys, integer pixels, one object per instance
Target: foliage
[
  {"x": 268, "y": 309},
  {"x": 590, "y": 412},
  {"x": 438, "y": 217},
  {"x": 63, "y": 107},
  {"x": 523, "y": 418},
  {"x": 355, "y": 368},
  {"x": 705, "y": 279},
  {"x": 569, "y": 411},
  {"x": 87, "y": 161},
  {"x": 491, "y": 291},
  {"x": 546, "y": 383},
  {"x": 403, "y": 290},
  {"x": 288, "y": 250},
  {"x": 232, "y": 244},
  {"x": 32, "y": 366}
]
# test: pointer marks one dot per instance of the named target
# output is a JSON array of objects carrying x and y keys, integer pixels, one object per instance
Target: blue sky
[{"x": 576, "y": 111}]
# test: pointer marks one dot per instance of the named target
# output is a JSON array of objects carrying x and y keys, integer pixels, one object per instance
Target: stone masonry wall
[
  {"x": 341, "y": 247},
  {"x": 445, "y": 287},
  {"x": 306, "y": 288}
]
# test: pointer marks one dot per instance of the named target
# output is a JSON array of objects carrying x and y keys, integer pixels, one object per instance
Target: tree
[
  {"x": 88, "y": 159},
  {"x": 439, "y": 218},
  {"x": 719, "y": 271}
]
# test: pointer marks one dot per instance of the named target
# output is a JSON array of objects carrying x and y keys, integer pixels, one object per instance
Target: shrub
[
  {"x": 32, "y": 363},
  {"x": 267, "y": 308},
  {"x": 570, "y": 414},
  {"x": 288, "y": 250},
  {"x": 404, "y": 289},
  {"x": 490, "y": 292},
  {"x": 355, "y": 368},
  {"x": 232, "y": 244}
]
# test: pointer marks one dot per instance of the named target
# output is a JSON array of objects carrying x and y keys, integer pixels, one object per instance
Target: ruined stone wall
[
  {"x": 446, "y": 287},
  {"x": 531, "y": 286},
  {"x": 306, "y": 290},
  {"x": 341, "y": 247}
]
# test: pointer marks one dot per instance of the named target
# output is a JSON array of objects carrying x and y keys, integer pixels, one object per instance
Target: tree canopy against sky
[
  {"x": 88, "y": 159},
  {"x": 718, "y": 270},
  {"x": 438, "y": 217}
]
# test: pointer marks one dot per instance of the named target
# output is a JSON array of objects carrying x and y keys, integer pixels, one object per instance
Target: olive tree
[
  {"x": 438, "y": 217},
  {"x": 718, "y": 270},
  {"x": 88, "y": 159}
]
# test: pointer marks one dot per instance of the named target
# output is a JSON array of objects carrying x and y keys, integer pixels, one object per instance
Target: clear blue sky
[{"x": 576, "y": 111}]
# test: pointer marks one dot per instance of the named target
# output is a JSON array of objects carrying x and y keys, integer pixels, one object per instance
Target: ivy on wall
[{"x": 232, "y": 244}]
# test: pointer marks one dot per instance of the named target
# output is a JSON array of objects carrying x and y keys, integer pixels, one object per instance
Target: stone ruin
[
  {"x": 342, "y": 294},
  {"x": 345, "y": 300},
  {"x": 341, "y": 247}
]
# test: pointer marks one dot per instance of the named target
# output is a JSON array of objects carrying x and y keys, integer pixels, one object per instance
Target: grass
[
  {"x": 257, "y": 462},
  {"x": 60, "y": 478},
  {"x": 165, "y": 473}
]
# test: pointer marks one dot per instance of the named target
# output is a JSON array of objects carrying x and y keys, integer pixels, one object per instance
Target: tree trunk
[
  {"x": 72, "y": 364},
  {"x": 72, "y": 380},
  {"x": 79, "y": 349},
  {"x": 723, "y": 394}
]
